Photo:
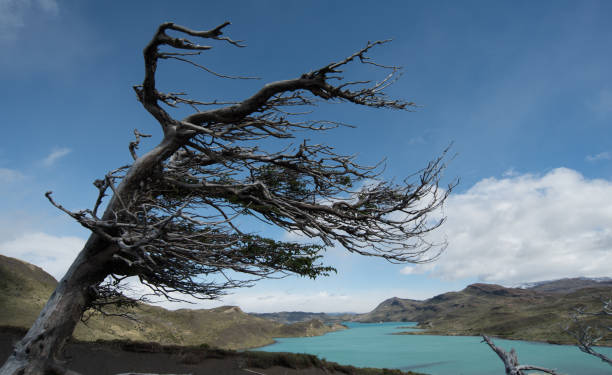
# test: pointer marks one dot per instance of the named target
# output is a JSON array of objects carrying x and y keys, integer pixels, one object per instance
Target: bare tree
[
  {"x": 511, "y": 363},
  {"x": 172, "y": 217},
  {"x": 589, "y": 333}
]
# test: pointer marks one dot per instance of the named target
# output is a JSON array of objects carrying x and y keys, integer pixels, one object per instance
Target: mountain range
[
  {"x": 537, "y": 312},
  {"x": 568, "y": 284}
]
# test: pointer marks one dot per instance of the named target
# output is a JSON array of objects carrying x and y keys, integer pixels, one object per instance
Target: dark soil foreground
[{"x": 120, "y": 357}]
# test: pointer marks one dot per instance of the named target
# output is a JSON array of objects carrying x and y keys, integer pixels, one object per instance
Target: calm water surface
[{"x": 373, "y": 345}]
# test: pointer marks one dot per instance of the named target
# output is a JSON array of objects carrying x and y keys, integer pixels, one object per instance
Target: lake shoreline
[
  {"x": 333, "y": 328},
  {"x": 379, "y": 345},
  {"x": 426, "y": 332},
  {"x": 417, "y": 331}
]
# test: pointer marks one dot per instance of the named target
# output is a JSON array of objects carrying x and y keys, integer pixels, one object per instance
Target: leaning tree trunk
[{"x": 39, "y": 352}]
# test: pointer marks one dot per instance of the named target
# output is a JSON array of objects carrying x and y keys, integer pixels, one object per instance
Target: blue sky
[{"x": 523, "y": 90}]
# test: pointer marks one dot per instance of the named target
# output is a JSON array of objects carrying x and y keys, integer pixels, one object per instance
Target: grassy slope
[
  {"x": 494, "y": 310},
  {"x": 26, "y": 283},
  {"x": 24, "y": 289}
]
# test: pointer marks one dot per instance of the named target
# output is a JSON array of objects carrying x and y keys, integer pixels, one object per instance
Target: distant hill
[
  {"x": 288, "y": 317},
  {"x": 537, "y": 313},
  {"x": 568, "y": 285},
  {"x": 393, "y": 310},
  {"x": 25, "y": 288}
]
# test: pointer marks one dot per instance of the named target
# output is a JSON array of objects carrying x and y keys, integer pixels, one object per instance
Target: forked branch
[
  {"x": 588, "y": 332},
  {"x": 510, "y": 359}
]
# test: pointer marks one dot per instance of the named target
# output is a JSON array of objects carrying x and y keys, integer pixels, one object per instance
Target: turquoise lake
[{"x": 373, "y": 345}]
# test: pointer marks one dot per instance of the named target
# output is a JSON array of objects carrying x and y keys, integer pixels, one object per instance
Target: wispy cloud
[
  {"x": 527, "y": 228},
  {"x": 601, "y": 156},
  {"x": 13, "y": 15},
  {"x": 55, "y": 155},
  {"x": 30, "y": 31},
  {"x": 510, "y": 172},
  {"x": 9, "y": 175}
]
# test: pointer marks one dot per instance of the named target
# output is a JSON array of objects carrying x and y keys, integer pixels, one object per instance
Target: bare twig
[
  {"x": 174, "y": 56},
  {"x": 134, "y": 144}
]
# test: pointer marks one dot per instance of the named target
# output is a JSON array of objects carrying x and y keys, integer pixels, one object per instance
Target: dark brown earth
[{"x": 125, "y": 357}]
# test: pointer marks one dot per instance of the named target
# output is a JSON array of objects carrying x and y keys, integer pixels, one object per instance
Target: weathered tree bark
[{"x": 39, "y": 351}]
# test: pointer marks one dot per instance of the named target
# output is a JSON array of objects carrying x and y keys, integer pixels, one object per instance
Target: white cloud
[
  {"x": 8, "y": 176},
  {"x": 55, "y": 155},
  {"x": 52, "y": 253},
  {"x": 314, "y": 301},
  {"x": 527, "y": 228},
  {"x": 13, "y": 14},
  {"x": 601, "y": 156}
]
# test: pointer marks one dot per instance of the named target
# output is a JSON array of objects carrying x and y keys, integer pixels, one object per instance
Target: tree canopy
[
  {"x": 177, "y": 225},
  {"x": 172, "y": 217}
]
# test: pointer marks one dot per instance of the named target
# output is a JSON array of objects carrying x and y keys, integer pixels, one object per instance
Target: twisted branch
[{"x": 173, "y": 217}]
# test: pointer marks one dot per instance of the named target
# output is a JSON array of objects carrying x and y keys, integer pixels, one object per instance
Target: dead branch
[
  {"x": 586, "y": 334},
  {"x": 510, "y": 360},
  {"x": 134, "y": 144}
]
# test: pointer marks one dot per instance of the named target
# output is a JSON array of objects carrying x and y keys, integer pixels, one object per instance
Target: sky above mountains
[{"x": 522, "y": 90}]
